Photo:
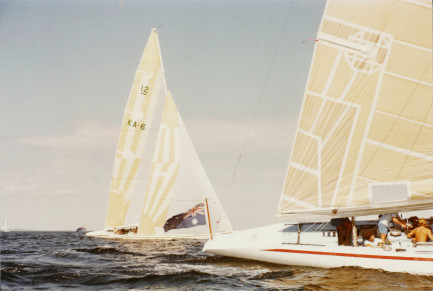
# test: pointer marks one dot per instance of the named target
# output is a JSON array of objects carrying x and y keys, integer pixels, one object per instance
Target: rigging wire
[{"x": 259, "y": 101}]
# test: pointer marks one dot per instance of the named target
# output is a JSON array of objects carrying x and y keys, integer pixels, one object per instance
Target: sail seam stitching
[
  {"x": 408, "y": 79},
  {"x": 400, "y": 150},
  {"x": 326, "y": 87},
  {"x": 333, "y": 99},
  {"x": 404, "y": 118},
  {"x": 303, "y": 168},
  {"x": 418, "y": 3},
  {"x": 299, "y": 202},
  {"x": 413, "y": 45},
  {"x": 351, "y": 24},
  {"x": 346, "y": 153}
]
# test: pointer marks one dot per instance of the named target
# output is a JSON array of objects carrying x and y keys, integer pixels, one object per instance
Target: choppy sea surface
[{"x": 67, "y": 260}]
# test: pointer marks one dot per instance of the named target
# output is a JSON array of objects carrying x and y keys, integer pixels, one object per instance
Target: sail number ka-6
[{"x": 132, "y": 123}]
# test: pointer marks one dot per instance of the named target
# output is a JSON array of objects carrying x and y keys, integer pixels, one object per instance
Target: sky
[{"x": 237, "y": 71}]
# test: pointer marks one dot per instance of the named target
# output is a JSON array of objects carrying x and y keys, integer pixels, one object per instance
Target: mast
[
  {"x": 354, "y": 232},
  {"x": 208, "y": 219}
]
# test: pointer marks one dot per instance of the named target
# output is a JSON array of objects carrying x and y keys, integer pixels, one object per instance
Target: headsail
[
  {"x": 136, "y": 144},
  {"x": 364, "y": 141}
]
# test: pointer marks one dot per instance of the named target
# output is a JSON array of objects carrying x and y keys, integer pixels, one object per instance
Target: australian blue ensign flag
[{"x": 193, "y": 217}]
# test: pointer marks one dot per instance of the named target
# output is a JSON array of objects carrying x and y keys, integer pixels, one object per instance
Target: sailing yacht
[
  {"x": 158, "y": 179},
  {"x": 363, "y": 144},
  {"x": 4, "y": 227}
]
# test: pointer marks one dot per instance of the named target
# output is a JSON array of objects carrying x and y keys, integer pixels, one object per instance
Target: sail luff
[{"x": 365, "y": 128}]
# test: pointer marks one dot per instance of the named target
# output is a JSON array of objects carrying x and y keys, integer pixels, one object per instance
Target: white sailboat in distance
[
  {"x": 363, "y": 144},
  {"x": 4, "y": 227},
  {"x": 158, "y": 179}
]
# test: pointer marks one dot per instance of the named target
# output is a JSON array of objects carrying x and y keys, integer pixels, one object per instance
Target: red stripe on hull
[{"x": 350, "y": 255}]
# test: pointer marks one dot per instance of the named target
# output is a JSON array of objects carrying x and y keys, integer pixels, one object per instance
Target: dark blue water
[{"x": 66, "y": 260}]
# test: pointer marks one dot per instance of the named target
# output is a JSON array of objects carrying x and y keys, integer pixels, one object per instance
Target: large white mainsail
[
  {"x": 156, "y": 166},
  {"x": 364, "y": 141}
]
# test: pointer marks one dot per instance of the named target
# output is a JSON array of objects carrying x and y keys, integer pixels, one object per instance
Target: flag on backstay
[{"x": 193, "y": 217}]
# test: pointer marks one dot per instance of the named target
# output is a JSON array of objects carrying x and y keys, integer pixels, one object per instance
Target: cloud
[
  {"x": 263, "y": 135},
  {"x": 229, "y": 148},
  {"x": 59, "y": 162},
  {"x": 68, "y": 172},
  {"x": 63, "y": 179},
  {"x": 86, "y": 134}
]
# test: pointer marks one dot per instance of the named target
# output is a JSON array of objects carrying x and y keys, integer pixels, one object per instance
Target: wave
[
  {"x": 168, "y": 280},
  {"x": 34, "y": 274},
  {"x": 11, "y": 272},
  {"x": 104, "y": 250},
  {"x": 272, "y": 275},
  {"x": 206, "y": 259},
  {"x": 67, "y": 261}
]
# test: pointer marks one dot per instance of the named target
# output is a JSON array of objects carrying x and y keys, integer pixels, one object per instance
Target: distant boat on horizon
[
  {"x": 159, "y": 184},
  {"x": 4, "y": 227},
  {"x": 81, "y": 229}
]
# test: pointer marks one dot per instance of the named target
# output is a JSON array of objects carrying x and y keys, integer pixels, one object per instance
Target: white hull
[
  {"x": 134, "y": 236},
  {"x": 271, "y": 244},
  {"x": 109, "y": 234}
]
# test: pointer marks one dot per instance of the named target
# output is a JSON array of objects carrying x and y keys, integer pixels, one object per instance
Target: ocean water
[{"x": 67, "y": 261}]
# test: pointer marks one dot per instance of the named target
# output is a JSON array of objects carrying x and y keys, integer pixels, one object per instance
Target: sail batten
[{"x": 366, "y": 117}]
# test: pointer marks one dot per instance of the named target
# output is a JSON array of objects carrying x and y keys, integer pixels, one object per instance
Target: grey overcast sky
[{"x": 66, "y": 72}]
